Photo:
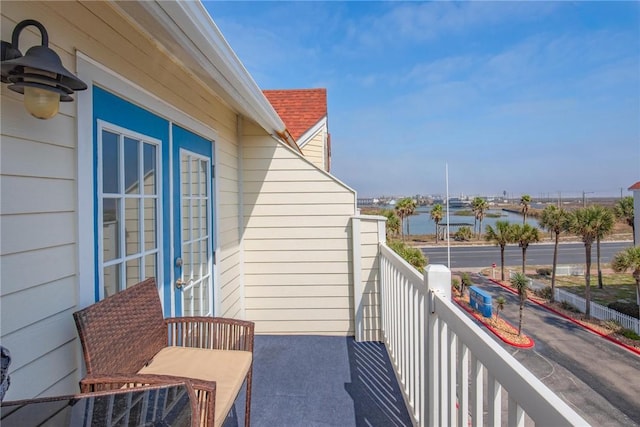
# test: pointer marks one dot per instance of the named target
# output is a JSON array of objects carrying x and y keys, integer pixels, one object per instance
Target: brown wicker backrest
[{"x": 124, "y": 331}]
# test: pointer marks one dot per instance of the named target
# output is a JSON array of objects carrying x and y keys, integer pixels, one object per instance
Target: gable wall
[
  {"x": 298, "y": 251},
  {"x": 39, "y": 185},
  {"x": 315, "y": 149}
]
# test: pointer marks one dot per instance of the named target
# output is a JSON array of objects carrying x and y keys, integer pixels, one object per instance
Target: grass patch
[{"x": 616, "y": 287}]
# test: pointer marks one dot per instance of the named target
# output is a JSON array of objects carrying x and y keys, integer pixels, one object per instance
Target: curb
[
  {"x": 492, "y": 329},
  {"x": 595, "y": 331}
]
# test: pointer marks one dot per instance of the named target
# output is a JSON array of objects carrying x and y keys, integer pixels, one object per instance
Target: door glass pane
[
  {"x": 110, "y": 229},
  {"x": 110, "y": 162},
  {"x": 111, "y": 278},
  {"x": 150, "y": 266},
  {"x": 195, "y": 219},
  {"x": 203, "y": 177},
  {"x": 132, "y": 270},
  {"x": 132, "y": 226},
  {"x": 195, "y": 177},
  {"x": 149, "y": 224},
  {"x": 186, "y": 218},
  {"x": 131, "y": 166},
  {"x": 149, "y": 169},
  {"x": 204, "y": 220},
  {"x": 184, "y": 167},
  {"x": 186, "y": 261}
]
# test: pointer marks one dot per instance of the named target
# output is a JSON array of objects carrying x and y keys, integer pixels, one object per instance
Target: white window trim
[
  {"x": 210, "y": 264},
  {"x": 94, "y": 73},
  {"x": 110, "y": 127}
]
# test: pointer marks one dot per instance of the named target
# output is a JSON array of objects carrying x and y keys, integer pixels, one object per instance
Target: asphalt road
[
  {"x": 537, "y": 254},
  {"x": 596, "y": 377}
]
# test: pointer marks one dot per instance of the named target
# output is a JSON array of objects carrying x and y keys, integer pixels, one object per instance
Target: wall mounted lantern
[{"x": 39, "y": 74}]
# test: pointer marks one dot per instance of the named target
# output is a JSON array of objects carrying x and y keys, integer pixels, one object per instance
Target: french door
[
  {"x": 193, "y": 219},
  {"x": 153, "y": 195}
]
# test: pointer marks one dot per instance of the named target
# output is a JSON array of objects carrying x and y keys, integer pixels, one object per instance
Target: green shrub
[
  {"x": 544, "y": 271},
  {"x": 413, "y": 256},
  {"x": 463, "y": 234},
  {"x": 628, "y": 308},
  {"x": 544, "y": 292},
  {"x": 455, "y": 284},
  {"x": 630, "y": 333}
]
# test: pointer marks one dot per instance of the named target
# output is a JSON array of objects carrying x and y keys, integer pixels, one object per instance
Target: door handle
[{"x": 180, "y": 283}]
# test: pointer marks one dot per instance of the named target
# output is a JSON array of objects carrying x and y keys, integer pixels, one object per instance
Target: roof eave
[{"x": 194, "y": 32}]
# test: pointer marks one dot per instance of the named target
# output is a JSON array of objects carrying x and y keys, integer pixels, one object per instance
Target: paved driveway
[{"x": 596, "y": 377}]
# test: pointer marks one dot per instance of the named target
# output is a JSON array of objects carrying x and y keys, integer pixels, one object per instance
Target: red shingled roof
[
  {"x": 635, "y": 186},
  {"x": 299, "y": 109}
]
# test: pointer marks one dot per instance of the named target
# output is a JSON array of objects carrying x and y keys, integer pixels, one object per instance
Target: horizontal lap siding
[
  {"x": 314, "y": 149},
  {"x": 38, "y": 182},
  {"x": 370, "y": 278},
  {"x": 297, "y": 244}
]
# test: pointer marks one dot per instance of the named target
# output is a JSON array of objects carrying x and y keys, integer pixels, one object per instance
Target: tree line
[{"x": 591, "y": 224}]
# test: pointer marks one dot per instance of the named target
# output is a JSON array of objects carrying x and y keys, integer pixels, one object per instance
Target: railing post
[
  {"x": 437, "y": 279},
  {"x": 357, "y": 279}
]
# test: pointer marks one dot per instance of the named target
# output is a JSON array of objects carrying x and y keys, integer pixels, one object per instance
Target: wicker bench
[{"x": 126, "y": 336}]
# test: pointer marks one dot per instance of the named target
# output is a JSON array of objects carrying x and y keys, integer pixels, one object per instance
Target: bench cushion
[{"x": 228, "y": 368}]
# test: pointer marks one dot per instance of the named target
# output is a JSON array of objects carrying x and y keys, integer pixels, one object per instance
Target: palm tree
[
  {"x": 624, "y": 211},
  {"x": 474, "y": 208},
  {"x": 524, "y": 235},
  {"x": 521, "y": 283},
  {"x": 501, "y": 235},
  {"x": 392, "y": 226},
  {"x": 479, "y": 206},
  {"x": 584, "y": 223},
  {"x": 465, "y": 281},
  {"x": 554, "y": 219},
  {"x": 500, "y": 302},
  {"x": 525, "y": 202},
  {"x": 405, "y": 208},
  {"x": 629, "y": 259},
  {"x": 605, "y": 221},
  {"x": 436, "y": 215}
]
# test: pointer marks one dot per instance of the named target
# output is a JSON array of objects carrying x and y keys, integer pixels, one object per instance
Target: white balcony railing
[{"x": 441, "y": 357}]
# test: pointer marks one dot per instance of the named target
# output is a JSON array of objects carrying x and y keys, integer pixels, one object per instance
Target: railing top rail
[{"x": 544, "y": 406}]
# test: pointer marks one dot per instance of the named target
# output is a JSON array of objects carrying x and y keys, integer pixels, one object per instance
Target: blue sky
[{"x": 523, "y": 97}]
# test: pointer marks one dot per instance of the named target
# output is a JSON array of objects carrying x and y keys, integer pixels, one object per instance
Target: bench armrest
[
  {"x": 201, "y": 393},
  {"x": 216, "y": 333}
]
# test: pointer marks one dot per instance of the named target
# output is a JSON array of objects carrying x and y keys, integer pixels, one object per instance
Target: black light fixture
[{"x": 39, "y": 74}]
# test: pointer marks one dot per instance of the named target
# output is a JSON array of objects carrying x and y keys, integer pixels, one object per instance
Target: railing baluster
[
  {"x": 494, "y": 397},
  {"x": 452, "y": 350},
  {"x": 476, "y": 390},
  {"x": 445, "y": 408},
  {"x": 516, "y": 414},
  {"x": 463, "y": 384},
  {"x": 432, "y": 362}
]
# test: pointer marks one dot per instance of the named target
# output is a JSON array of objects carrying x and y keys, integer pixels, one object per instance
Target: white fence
[
  {"x": 569, "y": 270},
  {"x": 441, "y": 357},
  {"x": 598, "y": 311}
]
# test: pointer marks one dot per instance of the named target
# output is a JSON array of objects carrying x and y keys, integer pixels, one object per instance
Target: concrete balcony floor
[{"x": 321, "y": 381}]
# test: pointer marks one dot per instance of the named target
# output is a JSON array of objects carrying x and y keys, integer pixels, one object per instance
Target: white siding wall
[
  {"x": 38, "y": 223},
  {"x": 371, "y": 233},
  {"x": 297, "y": 241},
  {"x": 314, "y": 149}
]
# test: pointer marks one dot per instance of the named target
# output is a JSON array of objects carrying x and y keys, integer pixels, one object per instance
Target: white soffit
[{"x": 185, "y": 31}]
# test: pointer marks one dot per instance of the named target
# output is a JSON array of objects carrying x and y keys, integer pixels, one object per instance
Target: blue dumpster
[{"x": 480, "y": 300}]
